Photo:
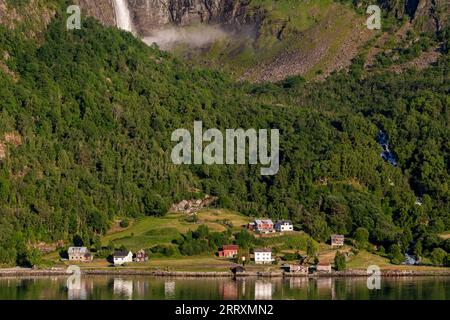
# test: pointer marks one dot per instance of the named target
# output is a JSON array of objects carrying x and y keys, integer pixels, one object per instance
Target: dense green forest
[{"x": 92, "y": 112}]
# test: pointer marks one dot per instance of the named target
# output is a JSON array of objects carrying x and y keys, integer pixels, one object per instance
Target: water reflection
[
  {"x": 295, "y": 288},
  {"x": 263, "y": 290},
  {"x": 298, "y": 282},
  {"x": 79, "y": 291},
  {"x": 169, "y": 289},
  {"x": 123, "y": 288}
]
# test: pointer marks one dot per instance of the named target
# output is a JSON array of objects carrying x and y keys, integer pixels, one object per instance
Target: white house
[
  {"x": 263, "y": 255},
  {"x": 284, "y": 225},
  {"x": 122, "y": 257}
]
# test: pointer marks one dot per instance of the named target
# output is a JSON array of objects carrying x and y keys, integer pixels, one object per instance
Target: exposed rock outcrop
[
  {"x": 103, "y": 10},
  {"x": 149, "y": 15},
  {"x": 431, "y": 15},
  {"x": 11, "y": 138},
  {"x": 192, "y": 206}
]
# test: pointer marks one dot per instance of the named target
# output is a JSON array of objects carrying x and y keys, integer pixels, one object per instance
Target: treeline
[{"x": 95, "y": 109}]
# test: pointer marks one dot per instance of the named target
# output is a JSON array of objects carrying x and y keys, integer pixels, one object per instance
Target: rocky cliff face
[
  {"x": 150, "y": 15},
  {"x": 431, "y": 15},
  {"x": 103, "y": 10},
  {"x": 426, "y": 15}
]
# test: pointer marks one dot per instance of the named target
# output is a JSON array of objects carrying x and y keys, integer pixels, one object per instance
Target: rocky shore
[{"x": 23, "y": 272}]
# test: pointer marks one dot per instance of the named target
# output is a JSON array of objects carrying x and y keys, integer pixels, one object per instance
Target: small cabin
[
  {"x": 284, "y": 225},
  {"x": 238, "y": 269},
  {"x": 295, "y": 268},
  {"x": 141, "y": 256},
  {"x": 122, "y": 257},
  {"x": 79, "y": 254},
  {"x": 337, "y": 240},
  {"x": 323, "y": 267},
  {"x": 228, "y": 251}
]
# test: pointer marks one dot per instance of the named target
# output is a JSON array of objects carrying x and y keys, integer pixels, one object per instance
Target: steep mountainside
[
  {"x": 263, "y": 40},
  {"x": 85, "y": 136}
]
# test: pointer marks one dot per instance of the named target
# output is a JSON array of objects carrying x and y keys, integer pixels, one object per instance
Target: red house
[{"x": 228, "y": 251}]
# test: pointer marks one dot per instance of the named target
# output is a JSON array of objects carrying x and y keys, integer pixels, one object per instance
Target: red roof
[{"x": 230, "y": 247}]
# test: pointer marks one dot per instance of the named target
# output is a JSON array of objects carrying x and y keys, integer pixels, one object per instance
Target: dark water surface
[{"x": 154, "y": 288}]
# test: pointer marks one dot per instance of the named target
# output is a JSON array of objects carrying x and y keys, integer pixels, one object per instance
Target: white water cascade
[{"x": 123, "y": 16}]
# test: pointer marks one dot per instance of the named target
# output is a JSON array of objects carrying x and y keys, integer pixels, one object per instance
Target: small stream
[{"x": 387, "y": 154}]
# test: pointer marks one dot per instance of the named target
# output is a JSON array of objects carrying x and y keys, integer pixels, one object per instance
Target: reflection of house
[
  {"x": 79, "y": 254},
  {"x": 122, "y": 257},
  {"x": 77, "y": 290},
  {"x": 323, "y": 267},
  {"x": 337, "y": 240},
  {"x": 228, "y": 251},
  {"x": 141, "y": 256},
  {"x": 169, "y": 289},
  {"x": 140, "y": 287},
  {"x": 263, "y": 290},
  {"x": 228, "y": 290},
  {"x": 123, "y": 288},
  {"x": 261, "y": 226},
  {"x": 298, "y": 282},
  {"x": 263, "y": 255},
  {"x": 284, "y": 225},
  {"x": 325, "y": 287}
]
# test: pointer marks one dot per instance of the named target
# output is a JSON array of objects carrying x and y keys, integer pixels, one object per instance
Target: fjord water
[{"x": 159, "y": 288}]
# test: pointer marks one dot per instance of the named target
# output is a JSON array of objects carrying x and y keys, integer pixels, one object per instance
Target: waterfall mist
[{"x": 194, "y": 37}]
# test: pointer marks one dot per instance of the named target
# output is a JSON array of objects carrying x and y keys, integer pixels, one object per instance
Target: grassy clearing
[
  {"x": 149, "y": 231},
  {"x": 296, "y": 240},
  {"x": 301, "y": 14},
  {"x": 364, "y": 259}
]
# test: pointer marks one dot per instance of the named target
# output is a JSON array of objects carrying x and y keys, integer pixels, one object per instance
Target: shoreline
[{"x": 223, "y": 274}]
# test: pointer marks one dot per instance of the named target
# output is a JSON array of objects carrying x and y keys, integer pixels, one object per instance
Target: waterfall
[{"x": 123, "y": 16}]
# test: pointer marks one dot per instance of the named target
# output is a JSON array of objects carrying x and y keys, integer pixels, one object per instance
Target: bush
[
  {"x": 125, "y": 223},
  {"x": 361, "y": 238},
  {"x": 395, "y": 254},
  {"x": 438, "y": 256},
  {"x": 164, "y": 250},
  {"x": 155, "y": 205},
  {"x": 447, "y": 260},
  {"x": 291, "y": 256},
  {"x": 339, "y": 261}
]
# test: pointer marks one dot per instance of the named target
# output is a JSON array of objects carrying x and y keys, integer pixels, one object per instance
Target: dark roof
[
  {"x": 284, "y": 221},
  {"x": 121, "y": 253},
  {"x": 262, "y": 250},
  {"x": 238, "y": 269}
]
